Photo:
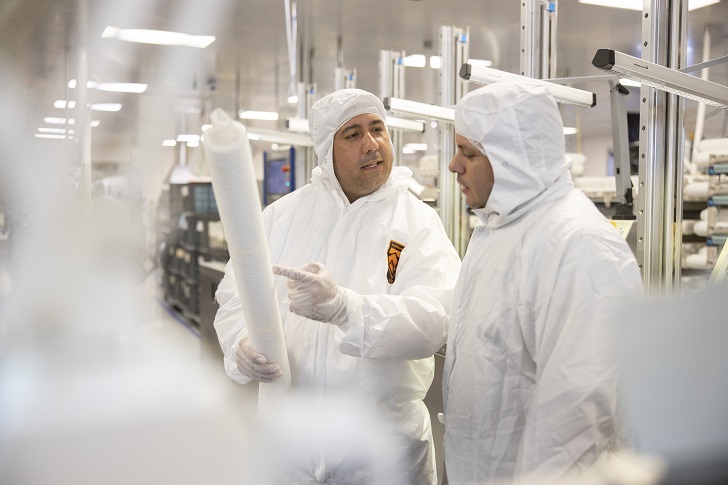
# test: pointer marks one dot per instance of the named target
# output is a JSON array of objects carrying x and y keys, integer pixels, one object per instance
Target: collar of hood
[
  {"x": 555, "y": 191},
  {"x": 399, "y": 178},
  {"x": 518, "y": 127}
]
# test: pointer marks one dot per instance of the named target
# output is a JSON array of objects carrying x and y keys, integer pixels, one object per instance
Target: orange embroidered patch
[{"x": 393, "y": 254}]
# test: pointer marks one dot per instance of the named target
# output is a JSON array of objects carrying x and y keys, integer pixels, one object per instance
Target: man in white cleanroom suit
[
  {"x": 529, "y": 383},
  {"x": 381, "y": 273}
]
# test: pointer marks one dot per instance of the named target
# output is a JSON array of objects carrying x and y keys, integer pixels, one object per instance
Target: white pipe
[{"x": 233, "y": 181}]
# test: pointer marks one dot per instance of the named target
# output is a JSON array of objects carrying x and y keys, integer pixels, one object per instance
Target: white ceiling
[{"x": 247, "y": 67}]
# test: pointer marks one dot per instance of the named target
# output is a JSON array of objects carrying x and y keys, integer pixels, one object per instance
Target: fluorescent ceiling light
[
  {"x": 54, "y": 130},
  {"x": 562, "y": 94},
  {"x": 43, "y": 135},
  {"x": 408, "y": 151},
  {"x": 638, "y": 4},
  {"x": 663, "y": 78},
  {"x": 62, "y": 104},
  {"x": 283, "y": 137},
  {"x": 58, "y": 121},
  {"x": 193, "y": 144},
  {"x": 114, "y": 87},
  {"x": 293, "y": 99},
  {"x": 435, "y": 62},
  {"x": 569, "y": 130},
  {"x": 106, "y": 106},
  {"x": 63, "y": 121},
  {"x": 206, "y": 127},
  {"x": 258, "y": 115},
  {"x": 159, "y": 37},
  {"x": 169, "y": 143},
  {"x": 418, "y": 147},
  {"x": 429, "y": 111},
  {"x": 122, "y": 87}
]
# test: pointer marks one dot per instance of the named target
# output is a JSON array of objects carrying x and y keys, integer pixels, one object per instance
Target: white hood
[
  {"x": 329, "y": 113},
  {"x": 520, "y": 131}
]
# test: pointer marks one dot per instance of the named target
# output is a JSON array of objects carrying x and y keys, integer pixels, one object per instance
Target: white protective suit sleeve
[
  {"x": 410, "y": 322},
  {"x": 230, "y": 324}
]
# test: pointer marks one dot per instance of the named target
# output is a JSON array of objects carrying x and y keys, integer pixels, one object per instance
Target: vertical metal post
[
  {"x": 530, "y": 38},
  {"x": 700, "y": 117},
  {"x": 454, "y": 43},
  {"x": 677, "y": 59},
  {"x": 538, "y": 38},
  {"x": 659, "y": 202},
  {"x": 548, "y": 39},
  {"x": 306, "y": 157},
  {"x": 391, "y": 85}
]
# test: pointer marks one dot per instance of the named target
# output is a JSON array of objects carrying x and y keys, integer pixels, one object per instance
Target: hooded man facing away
[
  {"x": 371, "y": 275},
  {"x": 529, "y": 384}
]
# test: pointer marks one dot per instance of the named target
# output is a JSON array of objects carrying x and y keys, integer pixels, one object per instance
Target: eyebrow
[{"x": 359, "y": 125}]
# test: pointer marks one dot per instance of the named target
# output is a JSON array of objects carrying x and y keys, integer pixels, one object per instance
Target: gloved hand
[
  {"x": 254, "y": 364},
  {"x": 313, "y": 293}
]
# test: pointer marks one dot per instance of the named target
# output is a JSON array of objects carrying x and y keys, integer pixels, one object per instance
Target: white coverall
[
  {"x": 529, "y": 383},
  {"x": 383, "y": 354}
]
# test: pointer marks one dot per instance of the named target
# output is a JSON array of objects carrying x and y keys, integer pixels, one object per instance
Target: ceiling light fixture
[
  {"x": 663, "y": 78},
  {"x": 63, "y": 104},
  {"x": 114, "y": 87},
  {"x": 638, "y": 4},
  {"x": 430, "y": 111},
  {"x": 258, "y": 115},
  {"x": 169, "y": 143},
  {"x": 283, "y": 137},
  {"x": 562, "y": 94},
  {"x": 158, "y": 37}
]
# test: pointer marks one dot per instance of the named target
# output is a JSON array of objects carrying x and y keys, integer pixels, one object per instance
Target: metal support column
[
  {"x": 538, "y": 38},
  {"x": 305, "y": 156},
  {"x": 659, "y": 201},
  {"x": 391, "y": 85},
  {"x": 454, "y": 47}
]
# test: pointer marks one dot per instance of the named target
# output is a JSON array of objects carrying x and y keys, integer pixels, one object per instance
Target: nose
[
  {"x": 370, "y": 144},
  {"x": 454, "y": 166}
]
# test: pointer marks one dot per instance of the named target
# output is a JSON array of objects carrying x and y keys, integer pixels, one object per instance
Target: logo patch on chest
[{"x": 393, "y": 253}]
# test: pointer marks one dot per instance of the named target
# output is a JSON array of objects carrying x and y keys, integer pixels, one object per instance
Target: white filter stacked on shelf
[{"x": 233, "y": 181}]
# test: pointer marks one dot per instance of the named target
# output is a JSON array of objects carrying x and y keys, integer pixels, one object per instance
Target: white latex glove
[
  {"x": 254, "y": 364},
  {"x": 313, "y": 293}
]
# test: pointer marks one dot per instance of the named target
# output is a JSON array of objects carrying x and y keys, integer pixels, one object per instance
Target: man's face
[
  {"x": 362, "y": 155},
  {"x": 474, "y": 173}
]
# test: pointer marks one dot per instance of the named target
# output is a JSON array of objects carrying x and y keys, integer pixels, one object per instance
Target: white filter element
[
  {"x": 688, "y": 227},
  {"x": 697, "y": 261},
  {"x": 233, "y": 181},
  {"x": 701, "y": 228},
  {"x": 697, "y": 190}
]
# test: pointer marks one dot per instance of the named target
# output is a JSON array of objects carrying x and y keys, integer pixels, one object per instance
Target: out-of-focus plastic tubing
[{"x": 236, "y": 193}]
